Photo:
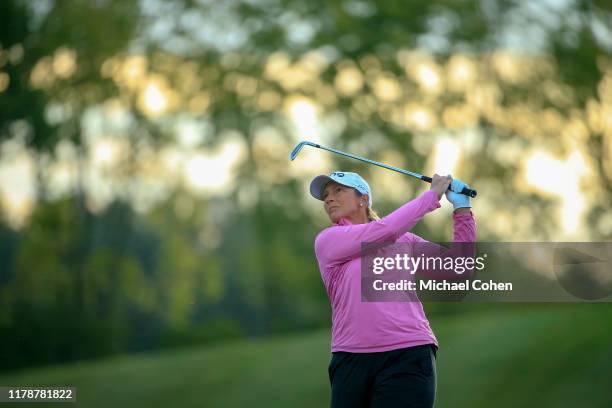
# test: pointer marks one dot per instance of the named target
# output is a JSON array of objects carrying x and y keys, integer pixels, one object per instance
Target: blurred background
[{"x": 156, "y": 245}]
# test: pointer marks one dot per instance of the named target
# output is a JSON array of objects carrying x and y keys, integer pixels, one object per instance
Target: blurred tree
[
  {"x": 55, "y": 58},
  {"x": 202, "y": 266}
]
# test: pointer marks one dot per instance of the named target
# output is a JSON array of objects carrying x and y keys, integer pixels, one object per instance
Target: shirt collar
[{"x": 344, "y": 221}]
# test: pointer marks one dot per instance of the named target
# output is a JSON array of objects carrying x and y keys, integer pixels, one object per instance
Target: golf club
[{"x": 466, "y": 191}]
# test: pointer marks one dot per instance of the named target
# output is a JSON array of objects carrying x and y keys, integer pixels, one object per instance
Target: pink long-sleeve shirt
[{"x": 362, "y": 327}]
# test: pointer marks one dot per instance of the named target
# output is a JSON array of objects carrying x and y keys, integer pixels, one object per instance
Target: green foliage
[
  {"x": 92, "y": 32},
  {"x": 92, "y": 283}
]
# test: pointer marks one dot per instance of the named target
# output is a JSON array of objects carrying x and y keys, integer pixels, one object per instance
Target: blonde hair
[{"x": 372, "y": 216}]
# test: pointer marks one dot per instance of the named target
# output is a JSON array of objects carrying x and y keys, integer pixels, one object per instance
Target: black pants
[{"x": 397, "y": 378}]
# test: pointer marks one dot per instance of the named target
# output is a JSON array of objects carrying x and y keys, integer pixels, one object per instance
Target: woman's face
[{"x": 340, "y": 201}]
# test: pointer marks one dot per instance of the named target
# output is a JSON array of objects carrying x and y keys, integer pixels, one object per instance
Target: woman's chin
[{"x": 334, "y": 218}]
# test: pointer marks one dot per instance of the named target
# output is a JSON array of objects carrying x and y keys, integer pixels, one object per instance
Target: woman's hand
[
  {"x": 461, "y": 203},
  {"x": 440, "y": 184}
]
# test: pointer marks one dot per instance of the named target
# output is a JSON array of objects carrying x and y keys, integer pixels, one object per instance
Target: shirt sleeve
[
  {"x": 464, "y": 232},
  {"x": 340, "y": 243}
]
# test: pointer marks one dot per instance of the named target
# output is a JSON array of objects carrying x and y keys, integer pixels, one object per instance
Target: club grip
[
  {"x": 466, "y": 191},
  {"x": 469, "y": 192}
]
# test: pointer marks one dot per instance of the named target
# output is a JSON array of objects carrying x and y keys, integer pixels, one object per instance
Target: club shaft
[
  {"x": 363, "y": 159},
  {"x": 466, "y": 191}
]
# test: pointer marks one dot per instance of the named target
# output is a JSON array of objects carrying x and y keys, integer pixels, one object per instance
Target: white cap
[{"x": 354, "y": 180}]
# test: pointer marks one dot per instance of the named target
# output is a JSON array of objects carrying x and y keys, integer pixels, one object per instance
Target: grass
[{"x": 537, "y": 356}]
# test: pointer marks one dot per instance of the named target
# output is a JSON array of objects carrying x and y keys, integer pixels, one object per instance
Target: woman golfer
[{"x": 383, "y": 353}]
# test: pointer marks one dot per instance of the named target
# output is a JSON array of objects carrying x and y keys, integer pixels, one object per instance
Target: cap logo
[{"x": 337, "y": 173}]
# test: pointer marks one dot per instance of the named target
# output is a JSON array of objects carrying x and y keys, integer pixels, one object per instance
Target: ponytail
[{"x": 372, "y": 216}]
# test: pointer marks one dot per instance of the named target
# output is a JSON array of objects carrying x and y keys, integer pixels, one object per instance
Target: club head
[{"x": 296, "y": 150}]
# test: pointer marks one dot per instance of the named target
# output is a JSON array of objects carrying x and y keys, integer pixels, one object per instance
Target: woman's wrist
[{"x": 462, "y": 210}]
